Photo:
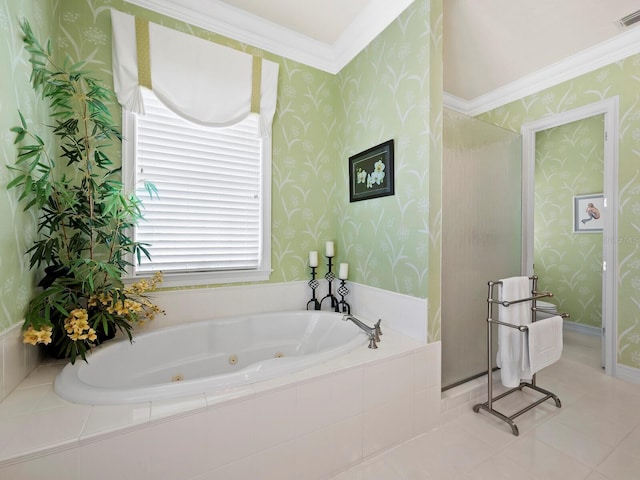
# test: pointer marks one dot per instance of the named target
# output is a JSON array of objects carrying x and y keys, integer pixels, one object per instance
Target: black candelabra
[
  {"x": 343, "y": 306},
  {"x": 313, "y": 284},
  {"x": 330, "y": 277}
]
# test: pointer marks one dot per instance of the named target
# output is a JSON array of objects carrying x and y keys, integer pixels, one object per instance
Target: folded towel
[
  {"x": 510, "y": 340},
  {"x": 544, "y": 344}
]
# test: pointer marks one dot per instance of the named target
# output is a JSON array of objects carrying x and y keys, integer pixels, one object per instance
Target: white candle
[
  {"x": 313, "y": 259},
  {"x": 329, "y": 249},
  {"x": 344, "y": 271}
]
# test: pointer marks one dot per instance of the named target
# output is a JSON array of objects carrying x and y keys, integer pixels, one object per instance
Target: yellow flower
[
  {"x": 30, "y": 336},
  {"x": 105, "y": 299},
  {"x": 157, "y": 278},
  {"x": 102, "y": 298},
  {"x": 91, "y": 336},
  {"x": 133, "y": 305},
  {"x": 82, "y": 322},
  {"x": 144, "y": 285},
  {"x": 118, "y": 308},
  {"x": 77, "y": 326},
  {"x": 34, "y": 336},
  {"x": 44, "y": 335}
]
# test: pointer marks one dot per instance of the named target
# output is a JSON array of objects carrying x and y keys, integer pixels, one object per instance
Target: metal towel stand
[{"x": 488, "y": 405}]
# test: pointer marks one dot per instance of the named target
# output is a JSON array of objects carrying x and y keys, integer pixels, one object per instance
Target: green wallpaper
[
  {"x": 569, "y": 161},
  {"x": 17, "y": 229},
  {"x": 393, "y": 90},
  {"x": 321, "y": 119},
  {"x": 385, "y": 96},
  {"x": 621, "y": 79},
  {"x": 305, "y": 149},
  {"x": 435, "y": 171}
]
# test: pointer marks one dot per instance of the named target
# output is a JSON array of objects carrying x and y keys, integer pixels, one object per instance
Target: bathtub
[{"x": 207, "y": 356}]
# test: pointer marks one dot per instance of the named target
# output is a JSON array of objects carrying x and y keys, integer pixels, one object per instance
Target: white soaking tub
[{"x": 207, "y": 356}]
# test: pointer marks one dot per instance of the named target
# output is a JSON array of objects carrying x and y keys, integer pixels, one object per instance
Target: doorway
[
  {"x": 609, "y": 110},
  {"x": 567, "y": 238}
]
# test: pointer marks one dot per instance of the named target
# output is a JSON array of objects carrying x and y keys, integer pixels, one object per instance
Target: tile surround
[
  {"x": 324, "y": 422},
  {"x": 403, "y": 313},
  {"x": 312, "y": 424},
  {"x": 17, "y": 360}
]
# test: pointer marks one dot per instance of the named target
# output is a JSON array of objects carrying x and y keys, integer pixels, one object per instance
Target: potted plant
[{"x": 84, "y": 217}]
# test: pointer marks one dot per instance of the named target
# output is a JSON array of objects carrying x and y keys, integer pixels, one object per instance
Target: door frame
[{"x": 609, "y": 108}]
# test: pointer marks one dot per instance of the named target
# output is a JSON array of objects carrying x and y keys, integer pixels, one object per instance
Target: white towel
[
  {"x": 544, "y": 344},
  {"x": 511, "y": 345}
]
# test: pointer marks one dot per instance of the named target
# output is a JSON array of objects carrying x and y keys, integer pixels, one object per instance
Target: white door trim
[{"x": 608, "y": 107}]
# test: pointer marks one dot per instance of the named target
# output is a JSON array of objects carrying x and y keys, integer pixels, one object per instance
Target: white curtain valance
[{"x": 202, "y": 81}]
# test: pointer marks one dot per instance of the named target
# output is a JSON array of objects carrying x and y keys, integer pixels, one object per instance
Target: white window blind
[{"x": 207, "y": 216}]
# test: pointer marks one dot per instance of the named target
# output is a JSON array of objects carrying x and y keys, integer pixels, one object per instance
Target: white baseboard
[
  {"x": 584, "y": 329},
  {"x": 629, "y": 374}
]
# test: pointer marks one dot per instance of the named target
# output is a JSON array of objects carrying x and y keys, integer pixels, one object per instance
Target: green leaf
[
  {"x": 22, "y": 120},
  {"x": 83, "y": 216},
  {"x": 151, "y": 189},
  {"x": 105, "y": 325},
  {"x": 19, "y": 180}
]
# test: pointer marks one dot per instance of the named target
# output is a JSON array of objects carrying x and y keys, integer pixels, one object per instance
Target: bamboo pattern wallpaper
[
  {"x": 17, "y": 232},
  {"x": 320, "y": 120},
  {"x": 393, "y": 90},
  {"x": 385, "y": 96},
  {"x": 620, "y": 79},
  {"x": 435, "y": 173},
  {"x": 569, "y": 162}
]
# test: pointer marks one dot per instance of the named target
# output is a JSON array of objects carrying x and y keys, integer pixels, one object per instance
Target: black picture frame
[{"x": 371, "y": 173}]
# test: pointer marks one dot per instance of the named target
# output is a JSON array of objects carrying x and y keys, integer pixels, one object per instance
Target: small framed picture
[
  {"x": 371, "y": 173},
  {"x": 587, "y": 213}
]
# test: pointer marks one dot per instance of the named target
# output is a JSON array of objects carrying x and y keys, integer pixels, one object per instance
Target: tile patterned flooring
[{"x": 594, "y": 436}]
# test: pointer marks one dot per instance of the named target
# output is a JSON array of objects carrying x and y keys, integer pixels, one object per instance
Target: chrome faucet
[{"x": 373, "y": 332}]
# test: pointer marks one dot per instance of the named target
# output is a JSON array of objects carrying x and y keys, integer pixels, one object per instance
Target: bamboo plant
[{"x": 84, "y": 245}]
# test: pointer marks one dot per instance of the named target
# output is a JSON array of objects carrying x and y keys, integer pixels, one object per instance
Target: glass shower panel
[{"x": 481, "y": 235}]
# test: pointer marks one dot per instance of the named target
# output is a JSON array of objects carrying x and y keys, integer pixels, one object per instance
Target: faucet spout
[{"x": 373, "y": 332}]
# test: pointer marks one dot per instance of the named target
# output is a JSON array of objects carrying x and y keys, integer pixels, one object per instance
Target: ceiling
[
  {"x": 321, "y": 20},
  {"x": 489, "y": 45}
]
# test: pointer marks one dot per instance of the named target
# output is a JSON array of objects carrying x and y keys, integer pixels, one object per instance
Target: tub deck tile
[
  {"x": 46, "y": 429},
  {"x": 35, "y": 423},
  {"x": 112, "y": 418},
  {"x": 167, "y": 408}
]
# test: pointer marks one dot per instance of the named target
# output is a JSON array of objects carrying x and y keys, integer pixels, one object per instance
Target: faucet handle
[
  {"x": 372, "y": 341},
  {"x": 378, "y": 330}
]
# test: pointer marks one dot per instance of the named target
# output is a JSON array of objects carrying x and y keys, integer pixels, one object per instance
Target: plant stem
[{"x": 89, "y": 182}]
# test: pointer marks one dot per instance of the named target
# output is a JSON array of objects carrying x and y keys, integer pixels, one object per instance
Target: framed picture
[
  {"x": 587, "y": 213},
  {"x": 371, "y": 173}
]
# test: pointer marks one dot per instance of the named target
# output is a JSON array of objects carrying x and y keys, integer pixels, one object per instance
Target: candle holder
[
  {"x": 330, "y": 277},
  {"x": 313, "y": 284},
  {"x": 343, "y": 306}
]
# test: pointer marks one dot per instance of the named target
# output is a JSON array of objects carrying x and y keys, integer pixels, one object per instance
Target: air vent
[{"x": 630, "y": 19}]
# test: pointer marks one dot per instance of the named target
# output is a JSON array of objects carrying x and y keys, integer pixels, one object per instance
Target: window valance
[{"x": 202, "y": 81}]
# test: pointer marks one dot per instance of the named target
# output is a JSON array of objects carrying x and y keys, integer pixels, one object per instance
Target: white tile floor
[{"x": 594, "y": 436}]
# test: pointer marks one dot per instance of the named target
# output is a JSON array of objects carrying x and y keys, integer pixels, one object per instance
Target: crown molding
[
  {"x": 237, "y": 24},
  {"x": 372, "y": 21},
  {"x": 601, "y": 55},
  {"x": 223, "y": 19}
]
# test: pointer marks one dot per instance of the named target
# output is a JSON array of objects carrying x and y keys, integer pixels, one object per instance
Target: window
[{"x": 210, "y": 221}]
